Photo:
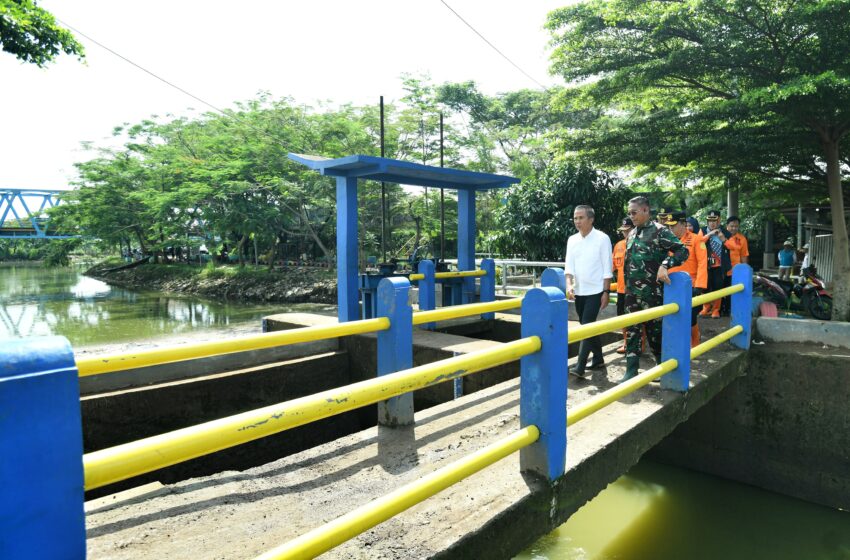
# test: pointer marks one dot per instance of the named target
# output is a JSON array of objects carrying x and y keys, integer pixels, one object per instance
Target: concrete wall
[{"x": 783, "y": 427}]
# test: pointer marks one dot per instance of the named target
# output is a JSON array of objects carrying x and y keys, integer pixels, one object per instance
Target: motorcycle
[{"x": 808, "y": 293}]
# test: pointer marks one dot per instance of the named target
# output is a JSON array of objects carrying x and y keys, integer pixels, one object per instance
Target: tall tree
[
  {"x": 32, "y": 34},
  {"x": 758, "y": 86}
]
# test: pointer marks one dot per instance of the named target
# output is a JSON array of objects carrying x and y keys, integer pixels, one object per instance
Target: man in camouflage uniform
[{"x": 651, "y": 249}]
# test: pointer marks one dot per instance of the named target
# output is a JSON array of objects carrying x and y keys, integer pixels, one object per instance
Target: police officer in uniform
[{"x": 651, "y": 249}]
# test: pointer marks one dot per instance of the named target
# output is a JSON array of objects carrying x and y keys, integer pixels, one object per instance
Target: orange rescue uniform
[
  {"x": 697, "y": 263},
  {"x": 618, "y": 255},
  {"x": 738, "y": 247}
]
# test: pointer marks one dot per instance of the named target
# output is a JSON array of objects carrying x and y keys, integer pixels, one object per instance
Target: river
[
  {"x": 658, "y": 512},
  {"x": 38, "y": 301}
]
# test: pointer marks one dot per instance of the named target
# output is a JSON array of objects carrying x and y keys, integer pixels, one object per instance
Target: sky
[{"x": 225, "y": 51}]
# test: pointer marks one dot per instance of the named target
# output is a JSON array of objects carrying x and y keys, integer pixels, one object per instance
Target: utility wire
[
  {"x": 494, "y": 47},
  {"x": 227, "y": 114}
]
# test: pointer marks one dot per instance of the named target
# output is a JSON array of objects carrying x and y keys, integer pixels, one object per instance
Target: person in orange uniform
[
  {"x": 696, "y": 265},
  {"x": 619, "y": 257},
  {"x": 739, "y": 252}
]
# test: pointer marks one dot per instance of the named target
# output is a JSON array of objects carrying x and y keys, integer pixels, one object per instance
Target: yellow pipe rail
[
  {"x": 715, "y": 341},
  {"x": 117, "y": 362},
  {"x": 149, "y": 454},
  {"x": 605, "y": 398},
  {"x": 457, "y": 274},
  {"x": 617, "y": 392},
  {"x": 717, "y": 294},
  {"x": 350, "y": 525},
  {"x": 614, "y": 323},
  {"x": 456, "y": 311}
]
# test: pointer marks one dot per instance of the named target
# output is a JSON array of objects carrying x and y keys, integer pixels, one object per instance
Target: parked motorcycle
[{"x": 808, "y": 293}]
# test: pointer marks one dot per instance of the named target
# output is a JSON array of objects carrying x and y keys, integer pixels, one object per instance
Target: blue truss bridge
[{"x": 23, "y": 213}]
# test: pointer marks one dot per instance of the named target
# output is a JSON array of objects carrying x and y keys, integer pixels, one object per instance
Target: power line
[
  {"x": 229, "y": 115},
  {"x": 494, "y": 47}
]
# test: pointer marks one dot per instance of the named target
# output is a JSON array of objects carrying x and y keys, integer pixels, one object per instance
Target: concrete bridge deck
[{"x": 492, "y": 514}]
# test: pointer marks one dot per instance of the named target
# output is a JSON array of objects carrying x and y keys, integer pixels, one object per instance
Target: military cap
[
  {"x": 663, "y": 216},
  {"x": 627, "y": 223},
  {"x": 714, "y": 215}
]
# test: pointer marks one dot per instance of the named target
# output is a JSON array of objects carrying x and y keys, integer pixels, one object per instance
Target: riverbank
[{"x": 289, "y": 285}]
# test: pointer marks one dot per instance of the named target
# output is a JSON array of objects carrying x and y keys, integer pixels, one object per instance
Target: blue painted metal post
[
  {"x": 742, "y": 312},
  {"x": 466, "y": 234},
  {"x": 395, "y": 347},
  {"x": 41, "y": 451},
  {"x": 676, "y": 332},
  {"x": 543, "y": 382},
  {"x": 427, "y": 290},
  {"x": 554, "y": 278},
  {"x": 346, "y": 249},
  {"x": 488, "y": 285}
]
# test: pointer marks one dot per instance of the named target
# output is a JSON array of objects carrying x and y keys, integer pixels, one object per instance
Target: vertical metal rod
[
  {"x": 442, "y": 200},
  {"x": 383, "y": 195}
]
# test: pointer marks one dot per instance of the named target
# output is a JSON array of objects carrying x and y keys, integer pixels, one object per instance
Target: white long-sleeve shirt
[{"x": 588, "y": 261}]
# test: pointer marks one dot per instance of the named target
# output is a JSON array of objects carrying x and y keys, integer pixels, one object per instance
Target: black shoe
[
  {"x": 574, "y": 370},
  {"x": 600, "y": 365}
]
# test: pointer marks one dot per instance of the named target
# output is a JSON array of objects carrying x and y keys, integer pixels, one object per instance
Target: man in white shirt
[{"x": 588, "y": 273}]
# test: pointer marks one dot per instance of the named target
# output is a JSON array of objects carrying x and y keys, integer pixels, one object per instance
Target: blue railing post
[
  {"x": 427, "y": 290},
  {"x": 395, "y": 347},
  {"x": 675, "y": 332},
  {"x": 41, "y": 451},
  {"x": 543, "y": 382},
  {"x": 488, "y": 285},
  {"x": 742, "y": 305},
  {"x": 554, "y": 278}
]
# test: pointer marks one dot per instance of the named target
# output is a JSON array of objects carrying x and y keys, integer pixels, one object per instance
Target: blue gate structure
[
  {"x": 348, "y": 170},
  {"x": 44, "y": 472},
  {"x": 22, "y": 213}
]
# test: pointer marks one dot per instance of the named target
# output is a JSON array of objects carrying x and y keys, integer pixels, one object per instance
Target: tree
[
  {"x": 536, "y": 219},
  {"x": 754, "y": 86},
  {"x": 32, "y": 35}
]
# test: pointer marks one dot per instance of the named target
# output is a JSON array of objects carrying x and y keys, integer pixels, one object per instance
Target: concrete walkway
[{"x": 492, "y": 514}]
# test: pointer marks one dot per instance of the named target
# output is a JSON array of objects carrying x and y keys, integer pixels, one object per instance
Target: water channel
[
  {"x": 654, "y": 512},
  {"x": 38, "y": 301}
]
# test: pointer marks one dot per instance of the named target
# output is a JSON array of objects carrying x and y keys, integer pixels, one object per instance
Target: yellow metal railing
[
  {"x": 117, "y": 362},
  {"x": 456, "y": 274},
  {"x": 457, "y": 311},
  {"x": 717, "y": 294},
  {"x": 149, "y": 454},
  {"x": 350, "y": 525},
  {"x": 614, "y": 323}
]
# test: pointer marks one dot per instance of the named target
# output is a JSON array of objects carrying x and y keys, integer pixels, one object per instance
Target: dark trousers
[
  {"x": 587, "y": 309},
  {"x": 726, "y": 303}
]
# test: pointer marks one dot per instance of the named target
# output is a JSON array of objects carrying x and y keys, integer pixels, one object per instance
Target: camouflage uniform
[{"x": 647, "y": 248}]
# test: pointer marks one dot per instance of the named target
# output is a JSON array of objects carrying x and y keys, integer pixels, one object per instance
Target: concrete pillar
[
  {"x": 427, "y": 290},
  {"x": 675, "y": 333},
  {"x": 543, "y": 382},
  {"x": 466, "y": 234},
  {"x": 346, "y": 249},
  {"x": 732, "y": 199},
  {"x": 488, "y": 285},
  {"x": 742, "y": 305},
  {"x": 41, "y": 451},
  {"x": 395, "y": 347}
]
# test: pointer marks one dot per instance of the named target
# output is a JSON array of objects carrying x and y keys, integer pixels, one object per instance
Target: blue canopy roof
[{"x": 396, "y": 171}]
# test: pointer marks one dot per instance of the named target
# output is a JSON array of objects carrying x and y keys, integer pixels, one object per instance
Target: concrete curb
[{"x": 804, "y": 330}]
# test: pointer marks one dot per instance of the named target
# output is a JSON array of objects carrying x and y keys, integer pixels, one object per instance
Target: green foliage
[
  {"x": 536, "y": 219},
  {"x": 32, "y": 35}
]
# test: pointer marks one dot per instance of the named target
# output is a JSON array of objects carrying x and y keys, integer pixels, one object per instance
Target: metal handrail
[
  {"x": 138, "y": 457},
  {"x": 716, "y": 294},
  {"x": 452, "y": 274},
  {"x": 355, "y": 522},
  {"x": 97, "y": 365},
  {"x": 457, "y": 311}
]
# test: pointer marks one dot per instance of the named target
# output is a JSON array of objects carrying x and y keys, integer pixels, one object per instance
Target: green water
[
  {"x": 657, "y": 512},
  {"x": 37, "y": 301}
]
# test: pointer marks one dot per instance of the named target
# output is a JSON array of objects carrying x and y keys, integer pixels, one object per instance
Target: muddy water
[
  {"x": 38, "y": 301},
  {"x": 657, "y": 512}
]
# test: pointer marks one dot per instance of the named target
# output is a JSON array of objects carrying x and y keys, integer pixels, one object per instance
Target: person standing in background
[
  {"x": 714, "y": 237},
  {"x": 588, "y": 275},
  {"x": 739, "y": 252},
  {"x": 619, "y": 261},
  {"x": 787, "y": 258}
]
